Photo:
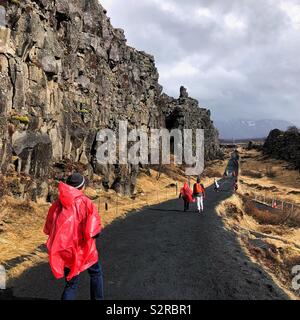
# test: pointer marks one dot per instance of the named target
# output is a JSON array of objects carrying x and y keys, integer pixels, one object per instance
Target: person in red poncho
[
  {"x": 187, "y": 195},
  {"x": 73, "y": 223}
]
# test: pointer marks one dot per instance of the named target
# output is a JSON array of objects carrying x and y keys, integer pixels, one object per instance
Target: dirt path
[{"x": 162, "y": 253}]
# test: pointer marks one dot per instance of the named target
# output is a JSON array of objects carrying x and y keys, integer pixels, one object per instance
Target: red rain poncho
[
  {"x": 187, "y": 193},
  {"x": 71, "y": 224}
]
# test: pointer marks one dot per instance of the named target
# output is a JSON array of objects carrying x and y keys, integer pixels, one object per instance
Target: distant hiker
[
  {"x": 236, "y": 171},
  {"x": 235, "y": 186},
  {"x": 216, "y": 185},
  {"x": 187, "y": 195},
  {"x": 73, "y": 223},
  {"x": 199, "y": 195}
]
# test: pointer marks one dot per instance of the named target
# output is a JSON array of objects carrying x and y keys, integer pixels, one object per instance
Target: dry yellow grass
[
  {"x": 274, "y": 247},
  {"x": 21, "y": 227},
  {"x": 272, "y": 240},
  {"x": 282, "y": 183}
]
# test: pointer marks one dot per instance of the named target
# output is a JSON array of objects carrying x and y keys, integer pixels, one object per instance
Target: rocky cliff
[
  {"x": 185, "y": 113},
  {"x": 284, "y": 145},
  {"x": 65, "y": 74}
]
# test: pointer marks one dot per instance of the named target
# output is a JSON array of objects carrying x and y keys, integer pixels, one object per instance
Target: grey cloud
[{"x": 238, "y": 57}]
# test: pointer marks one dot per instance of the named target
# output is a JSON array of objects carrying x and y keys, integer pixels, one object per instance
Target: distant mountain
[{"x": 249, "y": 129}]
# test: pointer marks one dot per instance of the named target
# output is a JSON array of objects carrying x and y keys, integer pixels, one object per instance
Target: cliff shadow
[{"x": 160, "y": 252}]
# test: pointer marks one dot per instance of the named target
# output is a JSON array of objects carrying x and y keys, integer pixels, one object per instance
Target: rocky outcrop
[
  {"x": 284, "y": 145},
  {"x": 185, "y": 113},
  {"x": 65, "y": 74}
]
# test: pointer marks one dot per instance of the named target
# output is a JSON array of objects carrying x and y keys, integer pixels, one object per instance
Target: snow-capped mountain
[{"x": 249, "y": 129}]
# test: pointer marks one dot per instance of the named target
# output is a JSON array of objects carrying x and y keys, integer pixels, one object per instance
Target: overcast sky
[{"x": 240, "y": 58}]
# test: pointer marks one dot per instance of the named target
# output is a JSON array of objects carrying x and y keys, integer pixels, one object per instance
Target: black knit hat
[{"x": 76, "y": 180}]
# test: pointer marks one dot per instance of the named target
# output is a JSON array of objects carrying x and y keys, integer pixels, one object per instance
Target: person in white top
[{"x": 217, "y": 186}]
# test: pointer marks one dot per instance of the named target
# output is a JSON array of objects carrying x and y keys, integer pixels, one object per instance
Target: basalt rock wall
[
  {"x": 66, "y": 73},
  {"x": 284, "y": 145}
]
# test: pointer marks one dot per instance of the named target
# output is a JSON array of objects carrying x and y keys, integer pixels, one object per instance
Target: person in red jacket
[
  {"x": 187, "y": 195},
  {"x": 73, "y": 223}
]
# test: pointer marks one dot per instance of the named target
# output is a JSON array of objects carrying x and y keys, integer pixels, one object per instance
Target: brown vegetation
[
  {"x": 270, "y": 236},
  {"x": 212, "y": 173},
  {"x": 278, "y": 217},
  {"x": 270, "y": 172},
  {"x": 253, "y": 174},
  {"x": 277, "y": 181}
]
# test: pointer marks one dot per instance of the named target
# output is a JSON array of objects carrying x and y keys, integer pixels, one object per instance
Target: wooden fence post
[
  {"x": 117, "y": 204},
  {"x": 99, "y": 203}
]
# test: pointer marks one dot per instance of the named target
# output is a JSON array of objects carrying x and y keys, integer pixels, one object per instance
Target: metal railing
[
  {"x": 272, "y": 202},
  {"x": 276, "y": 203}
]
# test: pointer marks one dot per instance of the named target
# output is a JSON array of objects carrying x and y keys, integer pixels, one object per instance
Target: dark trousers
[
  {"x": 96, "y": 284},
  {"x": 186, "y": 205}
]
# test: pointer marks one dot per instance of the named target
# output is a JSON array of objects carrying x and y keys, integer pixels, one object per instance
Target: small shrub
[
  {"x": 250, "y": 145},
  {"x": 21, "y": 119},
  {"x": 270, "y": 172},
  {"x": 233, "y": 211},
  {"x": 262, "y": 216},
  {"x": 84, "y": 111}
]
